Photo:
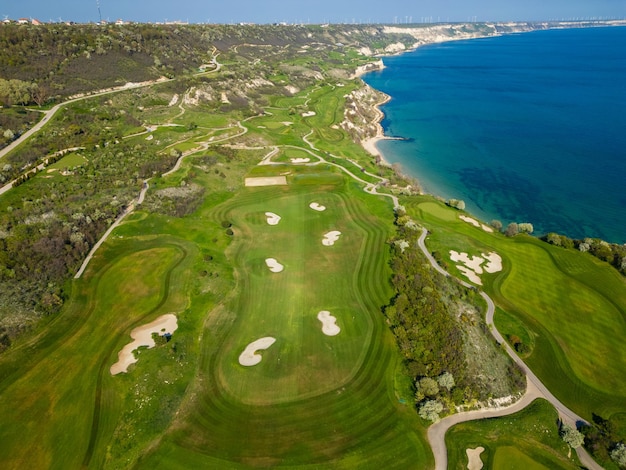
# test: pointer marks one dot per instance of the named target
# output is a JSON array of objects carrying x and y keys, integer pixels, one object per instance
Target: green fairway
[
  {"x": 569, "y": 306},
  {"x": 528, "y": 439},
  {"x": 56, "y": 386},
  {"x": 285, "y": 305},
  {"x": 332, "y": 397}
]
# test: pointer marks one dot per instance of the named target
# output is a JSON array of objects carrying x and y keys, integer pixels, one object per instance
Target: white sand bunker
[
  {"x": 249, "y": 357},
  {"x": 475, "y": 223},
  {"x": 329, "y": 323},
  {"x": 471, "y": 267},
  {"x": 330, "y": 238},
  {"x": 494, "y": 264},
  {"x": 317, "y": 207},
  {"x": 469, "y": 220},
  {"x": 266, "y": 181},
  {"x": 300, "y": 160},
  {"x": 272, "y": 219},
  {"x": 274, "y": 265},
  {"x": 308, "y": 114},
  {"x": 473, "y": 458},
  {"x": 142, "y": 336}
]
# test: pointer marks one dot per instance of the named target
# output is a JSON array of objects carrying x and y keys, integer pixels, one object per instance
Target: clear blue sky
[{"x": 313, "y": 11}]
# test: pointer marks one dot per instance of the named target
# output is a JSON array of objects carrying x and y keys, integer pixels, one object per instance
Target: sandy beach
[{"x": 370, "y": 144}]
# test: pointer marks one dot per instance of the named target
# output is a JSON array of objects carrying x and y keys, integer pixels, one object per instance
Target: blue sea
[{"x": 526, "y": 127}]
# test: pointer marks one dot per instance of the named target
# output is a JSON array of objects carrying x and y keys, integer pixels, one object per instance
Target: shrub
[{"x": 430, "y": 410}]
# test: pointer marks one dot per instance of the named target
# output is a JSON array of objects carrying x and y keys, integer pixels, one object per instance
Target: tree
[
  {"x": 618, "y": 455},
  {"x": 457, "y": 204},
  {"x": 446, "y": 380},
  {"x": 426, "y": 387},
  {"x": 496, "y": 224},
  {"x": 430, "y": 410},
  {"x": 572, "y": 437},
  {"x": 526, "y": 227},
  {"x": 512, "y": 229}
]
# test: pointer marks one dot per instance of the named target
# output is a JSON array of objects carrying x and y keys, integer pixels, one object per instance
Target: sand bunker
[
  {"x": 494, "y": 264},
  {"x": 249, "y": 357},
  {"x": 473, "y": 263},
  {"x": 274, "y": 265},
  {"x": 469, "y": 220},
  {"x": 329, "y": 326},
  {"x": 308, "y": 114},
  {"x": 317, "y": 207},
  {"x": 142, "y": 336},
  {"x": 473, "y": 458},
  {"x": 300, "y": 160},
  {"x": 471, "y": 267},
  {"x": 330, "y": 238},
  {"x": 266, "y": 181},
  {"x": 475, "y": 223},
  {"x": 272, "y": 219}
]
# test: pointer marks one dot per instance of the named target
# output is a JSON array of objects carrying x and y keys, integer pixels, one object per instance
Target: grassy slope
[
  {"x": 52, "y": 396},
  {"x": 572, "y": 306}
]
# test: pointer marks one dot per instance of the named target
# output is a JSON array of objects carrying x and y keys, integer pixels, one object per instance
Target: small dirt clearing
[
  {"x": 142, "y": 336},
  {"x": 330, "y": 238},
  {"x": 266, "y": 181},
  {"x": 249, "y": 357},
  {"x": 329, "y": 323}
]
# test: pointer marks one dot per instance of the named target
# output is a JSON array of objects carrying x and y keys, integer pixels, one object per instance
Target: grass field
[
  {"x": 526, "y": 440},
  {"x": 333, "y": 401},
  {"x": 333, "y": 398},
  {"x": 568, "y": 305}
]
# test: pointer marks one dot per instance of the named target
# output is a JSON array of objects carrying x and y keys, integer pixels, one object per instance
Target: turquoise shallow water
[{"x": 528, "y": 127}]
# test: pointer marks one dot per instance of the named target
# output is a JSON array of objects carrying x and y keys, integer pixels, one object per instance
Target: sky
[{"x": 312, "y": 11}]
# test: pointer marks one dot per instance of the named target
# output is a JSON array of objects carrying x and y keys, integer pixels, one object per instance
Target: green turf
[{"x": 569, "y": 305}]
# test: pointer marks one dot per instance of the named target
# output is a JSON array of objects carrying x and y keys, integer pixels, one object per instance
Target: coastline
[{"x": 370, "y": 144}]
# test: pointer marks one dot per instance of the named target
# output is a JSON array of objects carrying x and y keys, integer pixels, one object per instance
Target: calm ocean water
[{"x": 528, "y": 127}]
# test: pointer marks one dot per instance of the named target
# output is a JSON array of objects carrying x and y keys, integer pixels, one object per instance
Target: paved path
[{"x": 48, "y": 115}]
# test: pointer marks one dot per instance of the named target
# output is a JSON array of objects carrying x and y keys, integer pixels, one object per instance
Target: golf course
[{"x": 228, "y": 296}]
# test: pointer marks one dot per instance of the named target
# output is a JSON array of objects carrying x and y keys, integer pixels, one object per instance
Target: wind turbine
[{"x": 99, "y": 14}]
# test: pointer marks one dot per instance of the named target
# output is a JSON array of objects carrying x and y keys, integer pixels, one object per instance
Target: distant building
[
  {"x": 23, "y": 21},
  {"x": 36, "y": 22},
  {"x": 120, "y": 22}
]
